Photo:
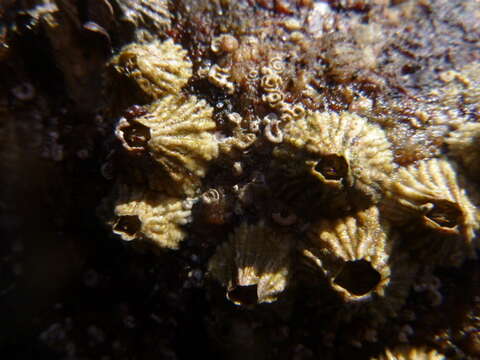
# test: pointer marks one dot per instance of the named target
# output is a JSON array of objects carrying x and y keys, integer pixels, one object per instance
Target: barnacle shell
[
  {"x": 158, "y": 68},
  {"x": 150, "y": 215},
  {"x": 464, "y": 145},
  {"x": 151, "y": 13},
  {"x": 432, "y": 193},
  {"x": 178, "y": 135},
  {"x": 342, "y": 150},
  {"x": 410, "y": 353},
  {"x": 254, "y": 265},
  {"x": 356, "y": 254}
]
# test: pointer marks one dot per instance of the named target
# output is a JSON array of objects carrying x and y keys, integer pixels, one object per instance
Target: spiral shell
[
  {"x": 151, "y": 216},
  {"x": 254, "y": 265},
  {"x": 411, "y": 353},
  {"x": 178, "y": 135},
  {"x": 158, "y": 68},
  {"x": 432, "y": 194},
  {"x": 358, "y": 257},
  {"x": 342, "y": 151},
  {"x": 153, "y": 14}
]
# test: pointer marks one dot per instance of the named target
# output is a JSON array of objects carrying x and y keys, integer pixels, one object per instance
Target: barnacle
[
  {"x": 357, "y": 255},
  {"x": 432, "y": 193},
  {"x": 410, "y": 353},
  {"x": 177, "y": 133},
  {"x": 464, "y": 145},
  {"x": 341, "y": 151},
  {"x": 158, "y": 68},
  {"x": 254, "y": 264},
  {"x": 150, "y": 13},
  {"x": 149, "y": 215}
]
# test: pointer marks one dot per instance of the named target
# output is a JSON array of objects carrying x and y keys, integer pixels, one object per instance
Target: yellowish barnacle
[
  {"x": 157, "y": 67},
  {"x": 254, "y": 265},
  {"x": 153, "y": 216},
  {"x": 464, "y": 145},
  {"x": 357, "y": 255},
  {"x": 178, "y": 134},
  {"x": 150, "y": 13},
  {"x": 410, "y": 353},
  {"x": 342, "y": 151},
  {"x": 432, "y": 193}
]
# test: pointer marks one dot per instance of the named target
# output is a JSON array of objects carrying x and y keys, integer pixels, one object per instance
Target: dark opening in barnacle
[
  {"x": 128, "y": 224},
  {"x": 358, "y": 277},
  {"x": 445, "y": 213},
  {"x": 243, "y": 295},
  {"x": 332, "y": 167},
  {"x": 136, "y": 135}
]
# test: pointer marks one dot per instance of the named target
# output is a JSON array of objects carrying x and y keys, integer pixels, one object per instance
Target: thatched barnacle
[
  {"x": 158, "y": 68},
  {"x": 432, "y": 194},
  {"x": 152, "y": 216},
  {"x": 410, "y": 353},
  {"x": 341, "y": 151},
  {"x": 177, "y": 133},
  {"x": 464, "y": 145},
  {"x": 358, "y": 256},
  {"x": 254, "y": 265}
]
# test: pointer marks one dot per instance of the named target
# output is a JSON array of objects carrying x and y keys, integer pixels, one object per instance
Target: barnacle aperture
[{"x": 359, "y": 257}]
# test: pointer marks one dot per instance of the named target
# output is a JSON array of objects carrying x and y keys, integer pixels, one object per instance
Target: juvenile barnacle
[
  {"x": 342, "y": 151},
  {"x": 149, "y": 215},
  {"x": 410, "y": 353},
  {"x": 357, "y": 254},
  {"x": 464, "y": 145},
  {"x": 432, "y": 193},
  {"x": 177, "y": 133},
  {"x": 158, "y": 68},
  {"x": 254, "y": 264}
]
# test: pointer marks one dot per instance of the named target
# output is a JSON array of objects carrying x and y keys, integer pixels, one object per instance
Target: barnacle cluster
[{"x": 279, "y": 138}]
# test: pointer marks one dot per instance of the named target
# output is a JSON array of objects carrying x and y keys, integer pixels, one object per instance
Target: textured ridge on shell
[
  {"x": 152, "y": 216},
  {"x": 358, "y": 256},
  {"x": 257, "y": 257},
  {"x": 158, "y": 68},
  {"x": 431, "y": 193},
  {"x": 410, "y": 353},
  {"x": 357, "y": 154},
  {"x": 464, "y": 145}
]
